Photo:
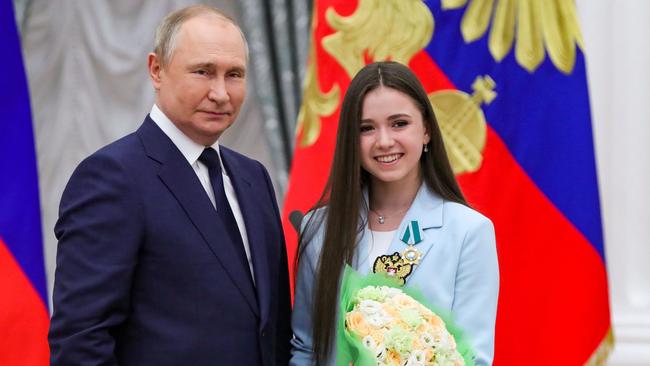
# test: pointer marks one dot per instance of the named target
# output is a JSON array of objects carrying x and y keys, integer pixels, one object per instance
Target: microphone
[{"x": 295, "y": 218}]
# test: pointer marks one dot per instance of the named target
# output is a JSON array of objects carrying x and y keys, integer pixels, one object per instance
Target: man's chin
[{"x": 212, "y": 134}]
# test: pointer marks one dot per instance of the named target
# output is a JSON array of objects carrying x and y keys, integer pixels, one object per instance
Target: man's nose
[{"x": 218, "y": 92}]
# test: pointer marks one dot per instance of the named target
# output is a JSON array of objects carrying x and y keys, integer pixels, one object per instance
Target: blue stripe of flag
[
  {"x": 20, "y": 218},
  {"x": 544, "y": 118}
]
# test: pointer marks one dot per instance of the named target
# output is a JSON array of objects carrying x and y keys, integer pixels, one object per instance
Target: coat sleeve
[
  {"x": 301, "y": 319},
  {"x": 99, "y": 232},
  {"x": 477, "y": 289}
]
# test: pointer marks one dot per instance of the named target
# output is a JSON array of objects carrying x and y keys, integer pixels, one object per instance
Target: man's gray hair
[{"x": 167, "y": 32}]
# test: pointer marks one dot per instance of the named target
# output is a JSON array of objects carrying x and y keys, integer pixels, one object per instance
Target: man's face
[{"x": 203, "y": 86}]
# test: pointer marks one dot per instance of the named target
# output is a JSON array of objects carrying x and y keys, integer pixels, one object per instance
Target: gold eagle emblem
[
  {"x": 538, "y": 26},
  {"x": 382, "y": 30},
  {"x": 394, "y": 266}
]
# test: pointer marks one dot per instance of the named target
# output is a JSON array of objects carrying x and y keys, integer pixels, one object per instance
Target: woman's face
[{"x": 392, "y": 135}]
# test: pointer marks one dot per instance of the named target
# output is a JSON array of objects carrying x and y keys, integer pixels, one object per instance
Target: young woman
[{"x": 391, "y": 190}]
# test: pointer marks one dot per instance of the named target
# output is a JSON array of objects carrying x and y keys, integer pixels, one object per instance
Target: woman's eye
[
  {"x": 365, "y": 128},
  {"x": 400, "y": 123}
]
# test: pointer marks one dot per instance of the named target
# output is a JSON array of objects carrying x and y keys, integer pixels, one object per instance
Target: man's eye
[{"x": 201, "y": 72}]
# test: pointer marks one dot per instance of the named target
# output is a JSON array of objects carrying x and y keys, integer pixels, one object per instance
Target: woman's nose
[{"x": 384, "y": 138}]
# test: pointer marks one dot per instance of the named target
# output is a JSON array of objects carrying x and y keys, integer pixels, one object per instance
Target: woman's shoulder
[
  {"x": 475, "y": 229},
  {"x": 447, "y": 211},
  {"x": 312, "y": 231},
  {"x": 458, "y": 212},
  {"x": 313, "y": 221},
  {"x": 318, "y": 213}
]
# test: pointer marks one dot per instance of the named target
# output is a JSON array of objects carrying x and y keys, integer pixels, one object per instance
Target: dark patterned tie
[{"x": 210, "y": 158}]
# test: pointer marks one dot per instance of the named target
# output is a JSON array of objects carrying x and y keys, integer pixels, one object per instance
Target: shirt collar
[{"x": 190, "y": 149}]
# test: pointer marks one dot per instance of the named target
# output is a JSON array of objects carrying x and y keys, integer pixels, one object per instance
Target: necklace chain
[{"x": 381, "y": 219}]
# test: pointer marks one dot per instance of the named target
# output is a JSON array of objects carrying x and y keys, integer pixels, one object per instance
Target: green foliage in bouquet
[{"x": 400, "y": 317}]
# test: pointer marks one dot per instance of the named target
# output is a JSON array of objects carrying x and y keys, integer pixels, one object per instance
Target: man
[{"x": 170, "y": 246}]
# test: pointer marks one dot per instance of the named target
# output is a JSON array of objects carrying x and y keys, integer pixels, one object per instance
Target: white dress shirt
[{"x": 191, "y": 151}]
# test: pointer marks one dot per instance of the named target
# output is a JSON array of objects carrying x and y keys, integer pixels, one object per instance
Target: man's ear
[{"x": 155, "y": 68}]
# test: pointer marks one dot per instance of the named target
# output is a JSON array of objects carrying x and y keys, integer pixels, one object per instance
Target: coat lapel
[
  {"x": 362, "y": 262},
  {"x": 427, "y": 211},
  {"x": 254, "y": 220},
  {"x": 181, "y": 180}
]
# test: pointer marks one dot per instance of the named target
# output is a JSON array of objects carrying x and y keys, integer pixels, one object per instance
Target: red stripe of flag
[
  {"x": 24, "y": 319},
  {"x": 553, "y": 282}
]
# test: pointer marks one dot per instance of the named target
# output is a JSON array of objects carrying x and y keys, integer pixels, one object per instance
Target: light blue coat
[{"x": 458, "y": 272}]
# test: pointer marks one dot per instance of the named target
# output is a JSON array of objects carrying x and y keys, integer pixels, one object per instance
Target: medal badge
[{"x": 400, "y": 265}]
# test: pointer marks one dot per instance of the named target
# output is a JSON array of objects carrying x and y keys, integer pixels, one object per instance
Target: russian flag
[
  {"x": 24, "y": 317},
  {"x": 508, "y": 84}
]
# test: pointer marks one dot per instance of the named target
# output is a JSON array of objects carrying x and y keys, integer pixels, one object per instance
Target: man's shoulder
[
  {"x": 127, "y": 151},
  {"x": 120, "y": 149}
]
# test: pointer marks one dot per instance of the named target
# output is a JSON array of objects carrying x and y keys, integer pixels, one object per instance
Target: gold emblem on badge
[
  {"x": 411, "y": 255},
  {"x": 394, "y": 266}
]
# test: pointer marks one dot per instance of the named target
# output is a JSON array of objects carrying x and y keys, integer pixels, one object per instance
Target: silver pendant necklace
[{"x": 381, "y": 219}]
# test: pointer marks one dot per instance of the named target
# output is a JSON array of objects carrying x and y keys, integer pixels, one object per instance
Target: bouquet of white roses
[{"x": 383, "y": 325}]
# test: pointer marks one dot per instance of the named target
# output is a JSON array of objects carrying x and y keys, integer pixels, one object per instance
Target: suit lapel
[
  {"x": 254, "y": 220},
  {"x": 181, "y": 180}
]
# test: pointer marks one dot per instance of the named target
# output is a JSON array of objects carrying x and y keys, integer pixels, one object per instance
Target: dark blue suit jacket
[{"x": 144, "y": 273}]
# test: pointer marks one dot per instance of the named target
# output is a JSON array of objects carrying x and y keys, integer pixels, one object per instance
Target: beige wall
[{"x": 617, "y": 40}]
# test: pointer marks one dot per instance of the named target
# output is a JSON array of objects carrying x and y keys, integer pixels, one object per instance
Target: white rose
[
  {"x": 380, "y": 352},
  {"x": 369, "y": 343},
  {"x": 417, "y": 358},
  {"x": 370, "y": 307},
  {"x": 391, "y": 291},
  {"x": 380, "y": 319},
  {"x": 374, "y": 313},
  {"x": 444, "y": 340},
  {"x": 427, "y": 339}
]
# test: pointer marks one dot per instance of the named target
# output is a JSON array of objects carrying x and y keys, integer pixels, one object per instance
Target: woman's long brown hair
[{"x": 341, "y": 199}]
